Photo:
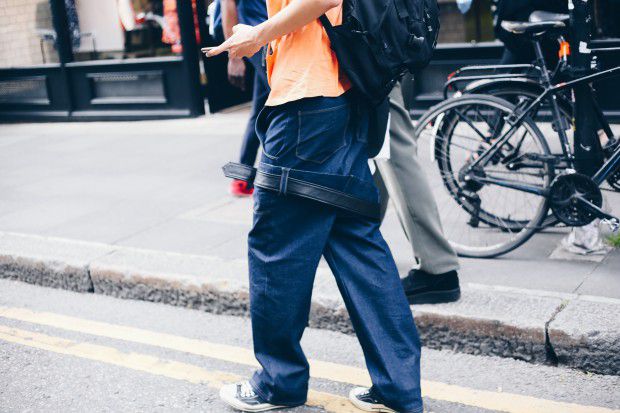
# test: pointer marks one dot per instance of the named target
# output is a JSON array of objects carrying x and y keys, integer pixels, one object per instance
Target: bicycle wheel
[
  {"x": 486, "y": 219},
  {"x": 521, "y": 96}
]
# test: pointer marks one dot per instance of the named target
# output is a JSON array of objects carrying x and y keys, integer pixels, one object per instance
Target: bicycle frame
[
  {"x": 608, "y": 167},
  {"x": 551, "y": 91}
]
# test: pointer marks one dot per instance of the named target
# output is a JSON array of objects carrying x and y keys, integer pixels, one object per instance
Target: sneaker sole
[
  {"x": 367, "y": 407},
  {"x": 236, "y": 404},
  {"x": 435, "y": 297}
]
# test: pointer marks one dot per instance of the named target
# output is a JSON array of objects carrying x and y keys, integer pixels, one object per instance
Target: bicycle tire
[
  {"x": 506, "y": 90},
  {"x": 525, "y": 231}
]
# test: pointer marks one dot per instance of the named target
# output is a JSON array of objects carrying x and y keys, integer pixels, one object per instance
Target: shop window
[
  {"x": 124, "y": 29},
  {"x": 117, "y": 29},
  {"x": 475, "y": 25},
  {"x": 27, "y": 33}
]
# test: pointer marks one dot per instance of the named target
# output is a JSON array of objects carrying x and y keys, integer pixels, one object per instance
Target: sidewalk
[{"x": 140, "y": 210}]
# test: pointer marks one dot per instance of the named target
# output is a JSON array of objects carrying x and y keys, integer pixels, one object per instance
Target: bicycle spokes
[{"x": 479, "y": 212}]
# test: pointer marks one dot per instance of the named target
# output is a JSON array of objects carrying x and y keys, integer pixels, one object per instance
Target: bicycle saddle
[
  {"x": 534, "y": 29},
  {"x": 547, "y": 16}
]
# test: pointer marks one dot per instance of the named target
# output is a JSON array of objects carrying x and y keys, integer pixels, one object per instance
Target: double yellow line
[{"x": 506, "y": 402}]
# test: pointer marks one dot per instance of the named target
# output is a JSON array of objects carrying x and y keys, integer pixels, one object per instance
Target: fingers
[{"x": 219, "y": 49}]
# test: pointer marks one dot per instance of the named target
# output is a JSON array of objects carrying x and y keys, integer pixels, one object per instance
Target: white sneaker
[
  {"x": 363, "y": 399},
  {"x": 242, "y": 396}
]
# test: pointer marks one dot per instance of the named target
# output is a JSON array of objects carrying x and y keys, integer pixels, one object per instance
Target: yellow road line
[
  {"x": 152, "y": 365},
  {"x": 507, "y": 402}
]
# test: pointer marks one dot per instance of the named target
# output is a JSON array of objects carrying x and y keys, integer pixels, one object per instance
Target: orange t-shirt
[{"x": 302, "y": 64}]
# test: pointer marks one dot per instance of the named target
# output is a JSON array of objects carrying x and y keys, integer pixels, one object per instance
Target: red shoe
[{"x": 240, "y": 188}]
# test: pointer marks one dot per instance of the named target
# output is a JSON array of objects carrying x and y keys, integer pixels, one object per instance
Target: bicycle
[
  {"x": 522, "y": 83},
  {"x": 499, "y": 171}
]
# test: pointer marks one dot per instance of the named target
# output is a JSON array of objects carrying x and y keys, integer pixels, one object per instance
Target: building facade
[{"x": 137, "y": 59}]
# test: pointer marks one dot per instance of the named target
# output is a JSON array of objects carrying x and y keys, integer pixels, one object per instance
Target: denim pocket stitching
[
  {"x": 262, "y": 141},
  {"x": 300, "y": 114},
  {"x": 272, "y": 157}
]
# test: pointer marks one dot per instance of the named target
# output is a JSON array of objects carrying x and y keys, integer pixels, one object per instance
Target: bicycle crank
[{"x": 576, "y": 200}]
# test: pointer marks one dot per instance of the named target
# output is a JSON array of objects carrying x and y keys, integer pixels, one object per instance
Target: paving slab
[
  {"x": 585, "y": 334},
  {"x": 605, "y": 277},
  {"x": 201, "y": 282},
  {"x": 488, "y": 321},
  {"x": 47, "y": 261}
]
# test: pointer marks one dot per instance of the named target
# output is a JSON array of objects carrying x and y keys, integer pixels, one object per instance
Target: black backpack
[{"x": 380, "y": 40}]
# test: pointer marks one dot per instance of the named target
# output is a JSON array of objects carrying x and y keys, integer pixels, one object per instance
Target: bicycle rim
[{"x": 489, "y": 220}]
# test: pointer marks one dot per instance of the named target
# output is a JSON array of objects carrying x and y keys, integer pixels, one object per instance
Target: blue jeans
[{"x": 289, "y": 236}]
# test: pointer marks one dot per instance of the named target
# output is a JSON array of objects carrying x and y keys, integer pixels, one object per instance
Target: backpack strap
[
  {"x": 325, "y": 22},
  {"x": 401, "y": 9}
]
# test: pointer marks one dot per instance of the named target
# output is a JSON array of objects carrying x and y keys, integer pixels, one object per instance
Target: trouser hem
[
  {"x": 261, "y": 392},
  {"x": 439, "y": 269},
  {"x": 416, "y": 410}
]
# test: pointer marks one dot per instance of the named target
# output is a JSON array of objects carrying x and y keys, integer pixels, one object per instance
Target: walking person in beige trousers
[{"x": 402, "y": 178}]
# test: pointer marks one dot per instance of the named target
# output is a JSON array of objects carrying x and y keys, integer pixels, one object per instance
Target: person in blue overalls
[
  {"x": 252, "y": 13},
  {"x": 315, "y": 197}
]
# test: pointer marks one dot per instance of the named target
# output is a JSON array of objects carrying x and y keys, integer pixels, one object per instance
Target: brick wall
[{"x": 19, "y": 44}]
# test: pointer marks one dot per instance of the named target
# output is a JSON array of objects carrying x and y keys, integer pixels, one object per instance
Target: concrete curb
[{"x": 534, "y": 326}]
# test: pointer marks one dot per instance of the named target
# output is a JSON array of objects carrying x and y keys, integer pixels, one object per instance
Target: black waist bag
[{"x": 380, "y": 40}]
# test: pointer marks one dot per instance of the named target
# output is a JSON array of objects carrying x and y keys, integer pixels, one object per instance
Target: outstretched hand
[{"x": 244, "y": 42}]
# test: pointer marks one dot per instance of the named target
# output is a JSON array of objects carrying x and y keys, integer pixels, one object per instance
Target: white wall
[{"x": 100, "y": 17}]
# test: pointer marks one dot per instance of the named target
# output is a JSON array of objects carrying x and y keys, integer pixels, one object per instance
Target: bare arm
[
  {"x": 236, "y": 66},
  {"x": 247, "y": 40},
  {"x": 230, "y": 18}
]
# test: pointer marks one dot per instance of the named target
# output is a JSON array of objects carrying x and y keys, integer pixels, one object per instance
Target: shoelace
[
  {"x": 245, "y": 390},
  {"x": 368, "y": 394}
]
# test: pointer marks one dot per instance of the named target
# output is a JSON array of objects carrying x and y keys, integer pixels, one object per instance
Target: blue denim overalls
[{"x": 322, "y": 141}]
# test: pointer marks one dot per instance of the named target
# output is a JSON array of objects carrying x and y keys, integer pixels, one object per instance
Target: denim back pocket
[
  {"x": 322, "y": 132},
  {"x": 275, "y": 129}
]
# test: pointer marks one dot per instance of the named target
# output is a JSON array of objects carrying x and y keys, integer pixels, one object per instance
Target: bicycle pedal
[{"x": 613, "y": 224}]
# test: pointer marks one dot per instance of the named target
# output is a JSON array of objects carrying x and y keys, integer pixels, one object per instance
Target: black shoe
[
  {"x": 242, "y": 397},
  {"x": 424, "y": 288},
  {"x": 363, "y": 399}
]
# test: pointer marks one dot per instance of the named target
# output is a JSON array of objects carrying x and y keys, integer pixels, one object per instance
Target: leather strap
[
  {"x": 239, "y": 171},
  {"x": 325, "y": 22},
  {"x": 286, "y": 185}
]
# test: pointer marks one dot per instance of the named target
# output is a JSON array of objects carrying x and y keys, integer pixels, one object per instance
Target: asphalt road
[{"x": 69, "y": 352}]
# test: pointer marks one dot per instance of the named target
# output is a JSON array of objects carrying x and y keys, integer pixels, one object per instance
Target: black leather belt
[{"x": 283, "y": 184}]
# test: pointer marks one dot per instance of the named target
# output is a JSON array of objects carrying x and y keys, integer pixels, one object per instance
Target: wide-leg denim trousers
[{"x": 326, "y": 136}]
